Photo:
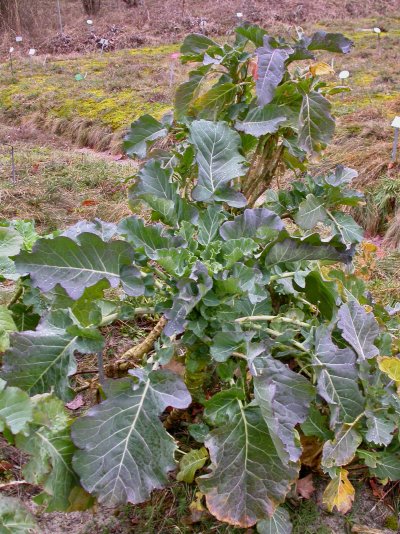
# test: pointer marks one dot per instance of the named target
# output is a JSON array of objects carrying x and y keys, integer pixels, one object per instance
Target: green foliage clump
[{"x": 274, "y": 338}]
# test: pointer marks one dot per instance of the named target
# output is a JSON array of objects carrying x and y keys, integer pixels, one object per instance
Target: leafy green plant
[{"x": 277, "y": 340}]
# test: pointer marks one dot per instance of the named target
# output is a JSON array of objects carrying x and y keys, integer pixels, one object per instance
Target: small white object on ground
[
  {"x": 344, "y": 74},
  {"x": 18, "y": 39},
  {"x": 32, "y": 51},
  {"x": 11, "y": 49},
  {"x": 89, "y": 22},
  {"x": 377, "y": 30}
]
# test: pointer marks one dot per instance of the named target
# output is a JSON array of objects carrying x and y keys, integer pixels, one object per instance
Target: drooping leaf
[
  {"x": 339, "y": 493},
  {"x": 284, "y": 398},
  {"x": 143, "y": 133},
  {"x": 208, "y": 224},
  {"x": 337, "y": 378},
  {"x": 248, "y": 480},
  {"x": 380, "y": 429},
  {"x": 190, "y": 463},
  {"x": 14, "y": 517},
  {"x": 15, "y": 409},
  {"x": 359, "y": 328},
  {"x": 342, "y": 449},
  {"x": 10, "y": 241},
  {"x": 316, "y": 125},
  {"x": 78, "y": 264},
  {"x": 311, "y": 211},
  {"x": 316, "y": 425},
  {"x": 279, "y": 523},
  {"x": 50, "y": 448},
  {"x": 332, "y": 42},
  {"x": 219, "y": 162},
  {"x": 271, "y": 68},
  {"x": 298, "y": 249},
  {"x": 254, "y": 223},
  {"x": 262, "y": 121},
  {"x": 7, "y": 325},
  {"x": 125, "y": 450}
]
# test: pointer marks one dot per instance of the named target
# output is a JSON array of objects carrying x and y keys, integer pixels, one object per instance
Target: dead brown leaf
[{"x": 305, "y": 486}]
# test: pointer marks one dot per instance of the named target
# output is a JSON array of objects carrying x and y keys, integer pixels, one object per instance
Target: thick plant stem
[
  {"x": 127, "y": 360},
  {"x": 147, "y": 344}
]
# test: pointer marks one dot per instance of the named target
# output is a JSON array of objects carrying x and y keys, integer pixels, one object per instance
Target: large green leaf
[
  {"x": 308, "y": 248},
  {"x": 337, "y": 378},
  {"x": 223, "y": 406},
  {"x": 143, "y": 133},
  {"x": 15, "y": 409},
  {"x": 219, "y": 162},
  {"x": 346, "y": 226},
  {"x": 316, "y": 125},
  {"x": 279, "y": 523},
  {"x": 262, "y": 121},
  {"x": 271, "y": 68},
  {"x": 148, "y": 238},
  {"x": 41, "y": 360},
  {"x": 254, "y": 223},
  {"x": 333, "y": 42},
  {"x": 7, "y": 325},
  {"x": 187, "y": 91},
  {"x": 211, "y": 103},
  {"x": 14, "y": 517},
  {"x": 195, "y": 44},
  {"x": 209, "y": 223},
  {"x": 51, "y": 449},
  {"x": 284, "y": 398},
  {"x": 10, "y": 241},
  {"x": 154, "y": 186},
  {"x": 342, "y": 449},
  {"x": 359, "y": 328},
  {"x": 126, "y": 452},
  {"x": 76, "y": 265},
  {"x": 380, "y": 429},
  {"x": 383, "y": 465},
  {"x": 311, "y": 211},
  {"x": 248, "y": 480},
  {"x": 251, "y": 32}
]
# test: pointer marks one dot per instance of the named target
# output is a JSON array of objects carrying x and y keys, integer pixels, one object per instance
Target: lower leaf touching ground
[
  {"x": 339, "y": 493},
  {"x": 279, "y": 523},
  {"x": 190, "y": 463},
  {"x": 126, "y": 452},
  {"x": 248, "y": 480},
  {"x": 14, "y": 517}
]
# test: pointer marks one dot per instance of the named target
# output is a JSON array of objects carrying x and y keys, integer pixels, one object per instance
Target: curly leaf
[
  {"x": 248, "y": 479},
  {"x": 271, "y": 68},
  {"x": 125, "y": 450},
  {"x": 337, "y": 378},
  {"x": 339, "y": 493},
  {"x": 143, "y": 133},
  {"x": 76, "y": 265},
  {"x": 219, "y": 162},
  {"x": 284, "y": 398},
  {"x": 359, "y": 328}
]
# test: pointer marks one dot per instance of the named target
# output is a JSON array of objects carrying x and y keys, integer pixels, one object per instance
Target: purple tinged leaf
[
  {"x": 251, "y": 223},
  {"x": 359, "y": 328},
  {"x": 271, "y": 68}
]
